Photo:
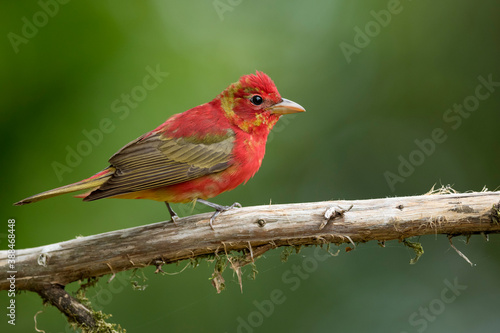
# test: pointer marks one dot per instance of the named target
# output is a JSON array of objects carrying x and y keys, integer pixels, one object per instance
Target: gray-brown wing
[{"x": 155, "y": 161}]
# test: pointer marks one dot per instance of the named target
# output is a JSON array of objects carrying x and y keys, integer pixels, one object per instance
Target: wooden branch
[
  {"x": 72, "y": 308},
  {"x": 253, "y": 227},
  {"x": 256, "y": 229}
]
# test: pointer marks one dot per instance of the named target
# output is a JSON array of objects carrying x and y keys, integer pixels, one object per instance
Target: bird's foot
[
  {"x": 218, "y": 209},
  {"x": 173, "y": 215},
  {"x": 174, "y": 218}
]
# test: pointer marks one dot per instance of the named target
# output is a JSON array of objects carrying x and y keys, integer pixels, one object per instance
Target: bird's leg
[
  {"x": 173, "y": 215},
  {"x": 218, "y": 209}
]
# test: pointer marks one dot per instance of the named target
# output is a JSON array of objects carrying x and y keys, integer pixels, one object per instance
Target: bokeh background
[{"x": 369, "y": 95}]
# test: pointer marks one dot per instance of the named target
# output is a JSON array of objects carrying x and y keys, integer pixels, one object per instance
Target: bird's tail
[{"x": 90, "y": 183}]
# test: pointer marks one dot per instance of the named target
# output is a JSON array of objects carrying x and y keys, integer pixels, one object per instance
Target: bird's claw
[
  {"x": 234, "y": 205},
  {"x": 222, "y": 209},
  {"x": 212, "y": 219},
  {"x": 174, "y": 218}
]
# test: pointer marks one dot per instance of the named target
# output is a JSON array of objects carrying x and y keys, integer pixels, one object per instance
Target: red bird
[{"x": 194, "y": 155}]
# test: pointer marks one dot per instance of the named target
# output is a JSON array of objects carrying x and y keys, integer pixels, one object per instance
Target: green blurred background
[{"x": 364, "y": 112}]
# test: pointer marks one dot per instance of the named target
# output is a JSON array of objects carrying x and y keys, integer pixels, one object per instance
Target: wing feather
[{"x": 156, "y": 161}]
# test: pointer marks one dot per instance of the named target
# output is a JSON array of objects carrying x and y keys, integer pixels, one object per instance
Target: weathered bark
[
  {"x": 72, "y": 308},
  {"x": 252, "y": 228},
  {"x": 47, "y": 269}
]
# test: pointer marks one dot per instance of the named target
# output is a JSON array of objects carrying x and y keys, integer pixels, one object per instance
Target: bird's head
[{"x": 254, "y": 103}]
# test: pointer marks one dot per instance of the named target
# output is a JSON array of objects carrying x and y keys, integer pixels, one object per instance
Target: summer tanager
[{"x": 194, "y": 155}]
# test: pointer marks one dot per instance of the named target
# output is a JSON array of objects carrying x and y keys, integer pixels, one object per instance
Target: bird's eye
[{"x": 256, "y": 100}]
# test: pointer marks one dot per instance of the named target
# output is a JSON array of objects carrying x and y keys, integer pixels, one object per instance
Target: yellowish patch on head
[
  {"x": 259, "y": 119},
  {"x": 227, "y": 100}
]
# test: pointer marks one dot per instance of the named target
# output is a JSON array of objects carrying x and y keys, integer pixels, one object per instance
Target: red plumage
[{"x": 197, "y": 154}]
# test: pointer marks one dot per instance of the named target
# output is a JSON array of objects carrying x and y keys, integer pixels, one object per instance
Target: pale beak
[{"x": 286, "y": 107}]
